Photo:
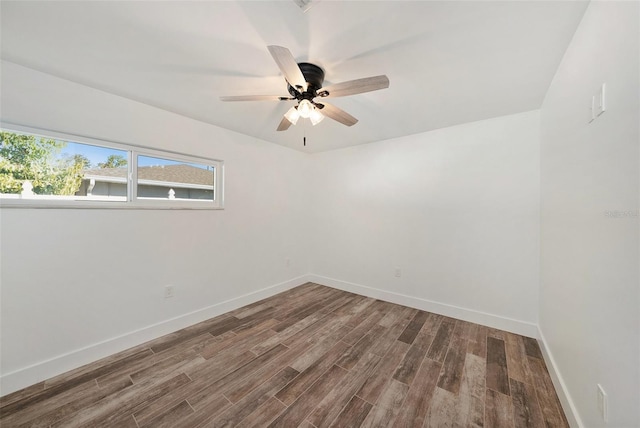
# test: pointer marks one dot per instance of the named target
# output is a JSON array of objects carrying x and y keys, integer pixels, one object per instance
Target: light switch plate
[
  {"x": 602, "y": 403},
  {"x": 601, "y": 100}
]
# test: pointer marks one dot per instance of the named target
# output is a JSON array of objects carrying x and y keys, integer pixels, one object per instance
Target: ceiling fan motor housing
[{"x": 314, "y": 76}]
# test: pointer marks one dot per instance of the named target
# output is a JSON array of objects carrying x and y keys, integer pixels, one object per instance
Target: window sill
[{"x": 121, "y": 205}]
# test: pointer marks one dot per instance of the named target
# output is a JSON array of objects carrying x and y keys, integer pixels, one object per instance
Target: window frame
[{"x": 132, "y": 202}]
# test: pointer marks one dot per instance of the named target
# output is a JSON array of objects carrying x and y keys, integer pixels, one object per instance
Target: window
[
  {"x": 159, "y": 178},
  {"x": 54, "y": 170}
]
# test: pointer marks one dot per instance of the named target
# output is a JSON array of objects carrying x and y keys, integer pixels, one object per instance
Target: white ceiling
[{"x": 449, "y": 62}]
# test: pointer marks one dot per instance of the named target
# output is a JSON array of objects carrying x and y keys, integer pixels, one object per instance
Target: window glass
[
  {"x": 35, "y": 166},
  {"x": 45, "y": 171},
  {"x": 160, "y": 178}
]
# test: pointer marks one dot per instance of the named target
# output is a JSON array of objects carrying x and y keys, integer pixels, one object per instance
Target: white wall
[
  {"x": 456, "y": 209},
  {"x": 589, "y": 298},
  {"x": 74, "y": 278}
]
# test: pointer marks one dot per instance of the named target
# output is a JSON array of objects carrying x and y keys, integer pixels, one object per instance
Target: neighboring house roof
[
  {"x": 119, "y": 174},
  {"x": 185, "y": 174}
]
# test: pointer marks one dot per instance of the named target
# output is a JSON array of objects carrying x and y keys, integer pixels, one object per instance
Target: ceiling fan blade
[
  {"x": 358, "y": 86},
  {"x": 289, "y": 67},
  {"x": 254, "y": 98},
  {"x": 338, "y": 115},
  {"x": 284, "y": 124}
]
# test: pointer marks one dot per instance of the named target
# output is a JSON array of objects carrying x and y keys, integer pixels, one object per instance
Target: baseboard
[
  {"x": 30, "y": 375},
  {"x": 568, "y": 406},
  {"x": 27, "y": 376},
  {"x": 514, "y": 326}
]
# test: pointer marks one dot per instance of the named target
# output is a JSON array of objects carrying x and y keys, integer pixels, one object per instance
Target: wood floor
[{"x": 310, "y": 357}]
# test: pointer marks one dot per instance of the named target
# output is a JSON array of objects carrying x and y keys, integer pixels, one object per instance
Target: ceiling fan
[{"x": 304, "y": 83}]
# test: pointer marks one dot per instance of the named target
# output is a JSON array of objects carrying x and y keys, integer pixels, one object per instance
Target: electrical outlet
[
  {"x": 398, "y": 273},
  {"x": 602, "y": 403},
  {"x": 168, "y": 291}
]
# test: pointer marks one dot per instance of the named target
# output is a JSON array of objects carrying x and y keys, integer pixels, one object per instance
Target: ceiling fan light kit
[
  {"x": 304, "y": 83},
  {"x": 292, "y": 115},
  {"x": 304, "y": 108},
  {"x": 315, "y": 116}
]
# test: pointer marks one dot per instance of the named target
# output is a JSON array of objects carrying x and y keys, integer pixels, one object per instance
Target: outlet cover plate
[{"x": 168, "y": 291}]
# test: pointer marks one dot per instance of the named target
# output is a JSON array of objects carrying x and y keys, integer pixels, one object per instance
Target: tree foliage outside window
[
  {"x": 113, "y": 161},
  {"x": 38, "y": 160}
]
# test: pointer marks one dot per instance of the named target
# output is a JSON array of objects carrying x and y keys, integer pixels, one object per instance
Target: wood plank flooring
[{"x": 310, "y": 357}]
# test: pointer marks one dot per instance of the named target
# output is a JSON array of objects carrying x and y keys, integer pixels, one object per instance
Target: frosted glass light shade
[
  {"x": 305, "y": 108},
  {"x": 316, "y": 117},
  {"x": 292, "y": 115}
]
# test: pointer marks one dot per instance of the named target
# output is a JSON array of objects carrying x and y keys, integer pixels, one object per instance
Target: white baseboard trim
[
  {"x": 490, "y": 320},
  {"x": 568, "y": 406},
  {"x": 30, "y": 375}
]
